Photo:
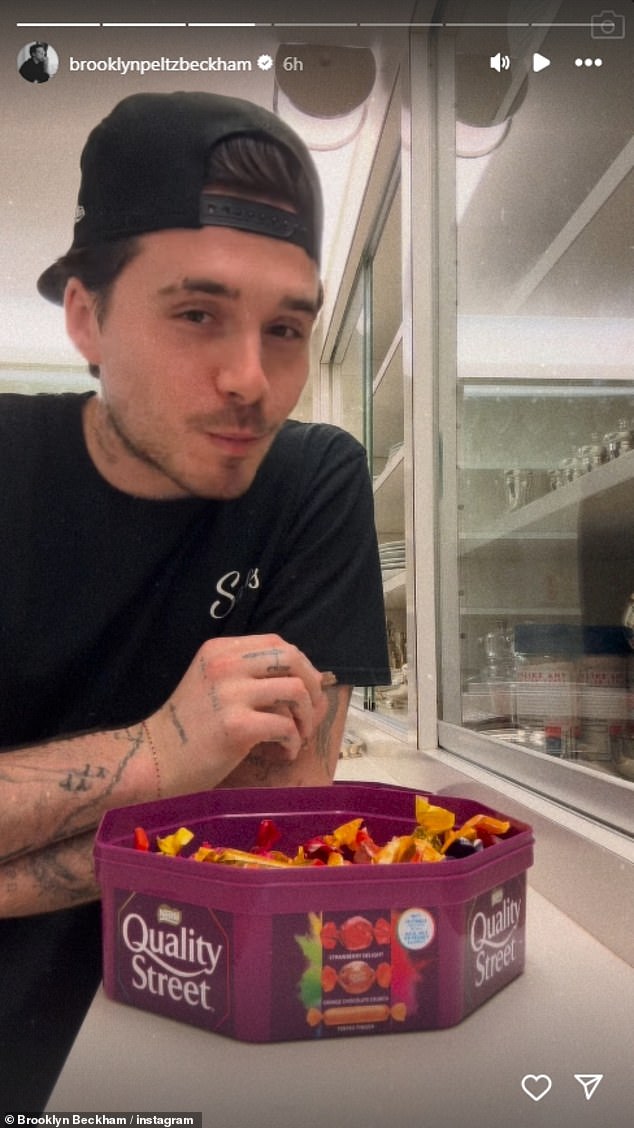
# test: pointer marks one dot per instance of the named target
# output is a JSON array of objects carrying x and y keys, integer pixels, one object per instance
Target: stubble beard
[{"x": 232, "y": 478}]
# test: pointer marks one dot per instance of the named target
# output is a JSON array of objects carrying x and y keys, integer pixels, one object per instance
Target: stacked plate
[{"x": 392, "y": 556}]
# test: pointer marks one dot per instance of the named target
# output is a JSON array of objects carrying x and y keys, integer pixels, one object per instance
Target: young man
[
  {"x": 183, "y": 569},
  {"x": 35, "y": 68}
]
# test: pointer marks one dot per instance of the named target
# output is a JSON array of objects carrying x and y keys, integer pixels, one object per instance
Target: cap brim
[{"x": 52, "y": 283}]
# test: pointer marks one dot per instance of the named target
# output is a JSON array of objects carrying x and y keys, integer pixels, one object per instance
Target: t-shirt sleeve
[{"x": 326, "y": 595}]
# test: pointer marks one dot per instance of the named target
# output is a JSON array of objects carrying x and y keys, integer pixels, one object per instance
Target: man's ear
[{"x": 82, "y": 324}]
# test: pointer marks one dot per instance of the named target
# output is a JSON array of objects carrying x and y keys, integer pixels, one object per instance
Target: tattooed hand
[
  {"x": 238, "y": 695},
  {"x": 249, "y": 712}
]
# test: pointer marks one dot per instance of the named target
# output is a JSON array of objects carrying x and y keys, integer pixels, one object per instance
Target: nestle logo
[{"x": 166, "y": 915}]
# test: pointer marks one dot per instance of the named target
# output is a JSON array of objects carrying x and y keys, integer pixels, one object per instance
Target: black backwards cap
[{"x": 143, "y": 169}]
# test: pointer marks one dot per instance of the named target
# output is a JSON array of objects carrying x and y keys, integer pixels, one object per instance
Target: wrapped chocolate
[{"x": 434, "y": 838}]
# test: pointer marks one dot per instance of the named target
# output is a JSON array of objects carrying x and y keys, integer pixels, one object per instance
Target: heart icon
[{"x": 536, "y": 1085}]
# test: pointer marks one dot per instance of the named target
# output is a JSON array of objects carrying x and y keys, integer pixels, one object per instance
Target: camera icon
[{"x": 607, "y": 25}]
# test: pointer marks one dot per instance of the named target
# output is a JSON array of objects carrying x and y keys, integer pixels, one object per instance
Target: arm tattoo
[
  {"x": 88, "y": 788},
  {"x": 80, "y": 780},
  {"x": 62, "y": 869},
  {"x": 83, "y": 817},
  {"x": 263, "y": 765},
  {"x": 177, "y": 724},
  {"x": 322, "y": 742}
]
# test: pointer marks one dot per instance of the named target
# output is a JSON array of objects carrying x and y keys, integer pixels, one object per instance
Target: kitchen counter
[{"x": 571, "y": 1012}]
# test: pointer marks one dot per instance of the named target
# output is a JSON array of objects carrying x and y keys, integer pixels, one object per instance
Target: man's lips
[{"x": 238, "y": 442}]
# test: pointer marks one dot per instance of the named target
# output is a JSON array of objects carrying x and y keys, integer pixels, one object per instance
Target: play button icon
[{"x": 540, "y": 62}]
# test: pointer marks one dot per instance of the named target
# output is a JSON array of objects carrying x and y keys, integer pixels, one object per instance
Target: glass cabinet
[
  {"x": 545, "y": 485},
  {"x": 536, "y": 411},
  {"x": 482, "y": 351}
]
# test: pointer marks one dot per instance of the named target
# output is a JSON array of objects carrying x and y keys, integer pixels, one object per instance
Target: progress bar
[{"x": 49, "y": 23}]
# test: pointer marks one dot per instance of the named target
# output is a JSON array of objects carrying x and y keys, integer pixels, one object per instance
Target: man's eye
[
  {"x": 197, "y": 316},
  {"x": 287, "y": 332}
]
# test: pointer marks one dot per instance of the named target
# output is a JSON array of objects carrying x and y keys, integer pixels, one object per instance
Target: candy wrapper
[{"x": 434, "y": 838}]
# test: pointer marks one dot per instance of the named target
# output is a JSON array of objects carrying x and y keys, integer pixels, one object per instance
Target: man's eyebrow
[
  {"x": 301, "y": 305},
  {"x": 292, "y": 302},
  {"x": 198, "y": 286}
]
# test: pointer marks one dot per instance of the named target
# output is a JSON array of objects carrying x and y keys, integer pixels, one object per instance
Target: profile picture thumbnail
[{"x": 37, "y": 62}]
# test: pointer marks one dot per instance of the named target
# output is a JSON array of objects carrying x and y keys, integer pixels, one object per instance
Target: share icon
[{"x": 590, "y": 1082}]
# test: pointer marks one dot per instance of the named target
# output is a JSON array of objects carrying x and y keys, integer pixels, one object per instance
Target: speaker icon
[{"x": 500, "y": 62}]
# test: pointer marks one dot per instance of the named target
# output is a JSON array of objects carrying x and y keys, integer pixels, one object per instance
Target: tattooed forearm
[
  {"x": 60, "y": 789},
  {"x": 66, "y": 867},
  {"x": 60, "y": 876},
  {"x": 86, "y": 814}
]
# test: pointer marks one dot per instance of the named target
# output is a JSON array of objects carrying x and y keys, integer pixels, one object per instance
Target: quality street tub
[{"x": 307, "y": 952}]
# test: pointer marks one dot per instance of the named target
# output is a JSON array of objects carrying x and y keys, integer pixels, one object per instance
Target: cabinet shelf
[
  {"x": 390, "y": 355},
  {"x": 395, "y": 591},
  {"x": 498, "y": 612},
  {"x": 389, "y": 509},
  {"x": 389, "y": 472},
  {"x": 388, "y": 407},
  {"x": 553, "y": 516},
  {"x": 395, "y": 583}
]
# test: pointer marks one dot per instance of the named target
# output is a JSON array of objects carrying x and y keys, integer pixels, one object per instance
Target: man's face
[
  {"x": 39, "y": 54},
  {"x": 203, "y": 352}
]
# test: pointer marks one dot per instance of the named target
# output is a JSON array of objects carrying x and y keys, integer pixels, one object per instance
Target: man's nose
[{"x": 241, "y": 371}]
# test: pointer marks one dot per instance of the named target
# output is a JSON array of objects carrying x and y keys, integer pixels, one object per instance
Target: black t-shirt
[
  {"x": 105, "y": 599},
  {"x": 33, "y": 70}
]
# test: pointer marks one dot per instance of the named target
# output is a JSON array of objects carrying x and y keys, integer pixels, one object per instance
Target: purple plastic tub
[{"x": 307, "y": 953}]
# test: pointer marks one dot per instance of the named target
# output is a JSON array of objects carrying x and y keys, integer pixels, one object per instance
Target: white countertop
[{"x": 572, "y": 1011}]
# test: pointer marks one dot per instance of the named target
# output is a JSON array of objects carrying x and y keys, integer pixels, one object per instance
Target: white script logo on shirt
[{"x": 230, "y": 588}]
